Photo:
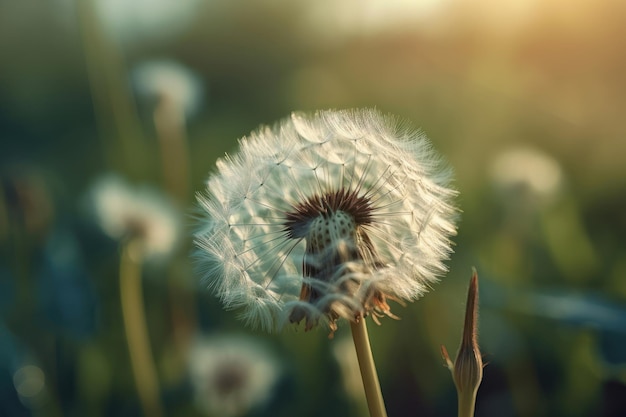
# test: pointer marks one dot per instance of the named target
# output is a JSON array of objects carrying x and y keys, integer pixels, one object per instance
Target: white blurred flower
[
  {"x": 136, "y": 213},
  {"x": 333, "y": 21},
  {"x": 130, "y": 22},
  {"x": 325, "y": 216},
  {"x": 231, "y": 374},
  {"x": 30, "y": 384},
  {"x": 171, "y": 81},
  {"x": 526, "y": 170}
]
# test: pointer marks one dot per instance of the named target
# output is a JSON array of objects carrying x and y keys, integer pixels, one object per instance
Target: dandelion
[
  {"x": 176, "y": 93},
  {"x": 145, "y": 21},
  {"x": 140, "y": 214},
  {"x": 147, "y": 227},
  {"x": 168, "y": 80},
  {"x": 527, "y": 172},
  {"x": 325, "y": 216},
  {"x": 232, "y": 374}
]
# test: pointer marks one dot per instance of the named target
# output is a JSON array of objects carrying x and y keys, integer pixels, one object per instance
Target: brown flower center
[{"x": 338, "y": 252}]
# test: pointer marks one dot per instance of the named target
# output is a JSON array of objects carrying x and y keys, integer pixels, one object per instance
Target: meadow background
[{"x": 480, "y": 77}]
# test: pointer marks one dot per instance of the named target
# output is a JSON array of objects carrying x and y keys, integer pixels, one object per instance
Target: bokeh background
[{"x": 525, "y": 99}]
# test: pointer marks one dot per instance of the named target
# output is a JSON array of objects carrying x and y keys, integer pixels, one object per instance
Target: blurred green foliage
[{"x": 475, "y": 79}]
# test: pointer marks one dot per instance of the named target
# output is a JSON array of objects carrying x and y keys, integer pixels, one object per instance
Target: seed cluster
[
  {"x": 354, "y": 206},
  {"x": 332, "y": 225},
  {"x": 325, "y": 231}
]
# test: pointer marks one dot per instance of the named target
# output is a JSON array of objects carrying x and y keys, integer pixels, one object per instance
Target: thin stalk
[
  {"x": 467, "y": 404},
  {"x": 136, "y": 329},
  {"x": 114, "y": 106},
  {"x": 169, "y": 121},
  {"x": 373, "y": 393}
]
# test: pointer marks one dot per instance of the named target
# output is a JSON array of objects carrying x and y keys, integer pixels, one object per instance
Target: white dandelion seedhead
[
  {"x": 169, "y": 80},
  {"x": 143, "y": 214},
  {"x": 145, "y": 21},
  {"x": 232, "y": 374},
  {"x": 325, "y": 216},
  {"x": 527, "y": 170}
]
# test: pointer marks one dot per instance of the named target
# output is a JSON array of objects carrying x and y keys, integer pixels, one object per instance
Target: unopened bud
[{"x": 467, "y": 369}]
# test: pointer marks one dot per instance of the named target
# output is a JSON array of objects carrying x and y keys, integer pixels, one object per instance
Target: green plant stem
[
  {"x": 115, "y": 111},
  {"x": 169, "y": 121},
  {"x": 373, "y": 393},
  {"x": 137, "y": 332},
  {"x": 467, "y": 402}
]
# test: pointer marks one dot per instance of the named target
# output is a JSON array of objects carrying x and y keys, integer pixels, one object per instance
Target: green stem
[
  {"x": 467, "y": 403},
  {"x": 136, "y": 329},
  {"x": 373, "y": 393},
  {"x": 169, "y": 121},
  {"x": 114, "y": 106}
]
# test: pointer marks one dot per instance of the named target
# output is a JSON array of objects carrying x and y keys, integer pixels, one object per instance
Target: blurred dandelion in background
[
  {"x": 175, "y": 93},
  {"x": 145, "y": 20},
  {"x": 172, "y": 93},
  {"x": 148, "y": 228},
  {"x": 531, "y": 186},
  {"x": 232, "y": 374},
  {"x": 27, "y": 388},
  {"x": 30, "y": 384},
  {"x": 166, "y": 80},
  {"x": 526, "y": 174},
  {"x": 140, "y": 214}
]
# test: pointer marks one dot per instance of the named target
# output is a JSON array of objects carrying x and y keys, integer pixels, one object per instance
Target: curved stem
[
  {"x": 371, "y": 384},
  {"x": 137, "y": 332}
]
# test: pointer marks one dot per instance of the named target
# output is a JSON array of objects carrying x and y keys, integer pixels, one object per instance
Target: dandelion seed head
[
  {"x": 169, "y": 80},
  {"x": 325, "y": 216},
  {"x": 232, "y": 374},
  {"x": 527, "y": 170},
  {"x": 124, "y": 212},
  {"x": 144, "y": 21}
]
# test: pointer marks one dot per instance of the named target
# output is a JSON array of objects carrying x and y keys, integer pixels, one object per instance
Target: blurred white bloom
[
  {"x": 231, "y": 374},
  {"x": 171, "y": 81},
  {"x": 30, "y": 384},
  {"x": 136, "y": 213},
  {"x": 335, "y": 20},
  {"x": 325, "y": 216},
  {"x": 136, "y": 21},
  {"x": 526, "y": 170}
]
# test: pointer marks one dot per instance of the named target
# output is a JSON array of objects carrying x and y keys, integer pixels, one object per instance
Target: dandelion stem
[
  {"x": 169, "y": 120},
  {"x": 373, "y": 393},
  {"x": 136, "y": 331}
]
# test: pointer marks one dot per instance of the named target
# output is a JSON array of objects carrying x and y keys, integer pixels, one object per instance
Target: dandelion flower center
[
  {"x": 327, "y": 231},
  {"x": 333, "y": 227}
]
